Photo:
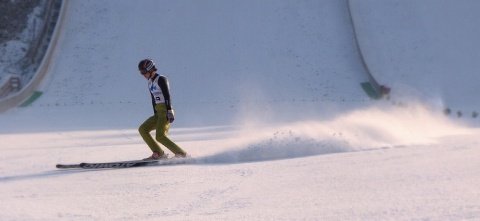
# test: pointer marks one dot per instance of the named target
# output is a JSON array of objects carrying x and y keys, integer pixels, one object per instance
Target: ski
[
  {"x": 126, "y": 164},
  {"x": 68, "y": 166},
  {"x": 119, "y": 164}
]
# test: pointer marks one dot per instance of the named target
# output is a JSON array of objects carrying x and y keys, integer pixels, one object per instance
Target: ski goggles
[{"x": 143, "y": 71}]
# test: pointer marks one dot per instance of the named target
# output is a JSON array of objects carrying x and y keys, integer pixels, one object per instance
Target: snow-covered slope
[
  {"x": 267, "y": 98},
  {"x": 229, "y": 57},
  {"x": 429, "y": 50}
]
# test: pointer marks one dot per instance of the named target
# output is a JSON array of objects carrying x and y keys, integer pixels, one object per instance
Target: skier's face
[{"x": 146, "y": 74}]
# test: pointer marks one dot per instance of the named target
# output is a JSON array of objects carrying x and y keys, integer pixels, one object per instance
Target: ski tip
[{"x": 67, "y": 166}]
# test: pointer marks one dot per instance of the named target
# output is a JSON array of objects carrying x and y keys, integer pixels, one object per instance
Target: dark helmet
[{"x": 147, "y": 65}]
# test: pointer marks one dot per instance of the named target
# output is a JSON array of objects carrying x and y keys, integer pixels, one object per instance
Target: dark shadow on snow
[
  {"x": 45, "y": 174},
  {"x": 274, "y": 150}
]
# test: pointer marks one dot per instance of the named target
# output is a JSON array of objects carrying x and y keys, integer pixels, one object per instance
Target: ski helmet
[{"x": 146, "y": 65}]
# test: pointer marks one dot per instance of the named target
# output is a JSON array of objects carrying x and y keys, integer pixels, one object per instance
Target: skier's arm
[{"x": 165, "y": 87}]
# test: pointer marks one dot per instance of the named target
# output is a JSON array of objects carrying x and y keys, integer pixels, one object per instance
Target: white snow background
[{"x": 267, "y": 98}]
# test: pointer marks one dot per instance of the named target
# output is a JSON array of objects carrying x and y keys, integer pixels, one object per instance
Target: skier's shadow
[
  {"x": 45, "y": 174},
  {"x": 270, "y": 151}
]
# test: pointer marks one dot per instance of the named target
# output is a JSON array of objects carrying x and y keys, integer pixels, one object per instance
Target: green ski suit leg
[{"x": 159, "y": 123}]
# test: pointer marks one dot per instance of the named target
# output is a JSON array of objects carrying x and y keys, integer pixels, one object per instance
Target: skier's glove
[{"x": 170, "y": 116}]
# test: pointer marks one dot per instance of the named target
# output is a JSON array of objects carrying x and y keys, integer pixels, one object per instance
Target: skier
[{"x": 163, "y": 113}]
